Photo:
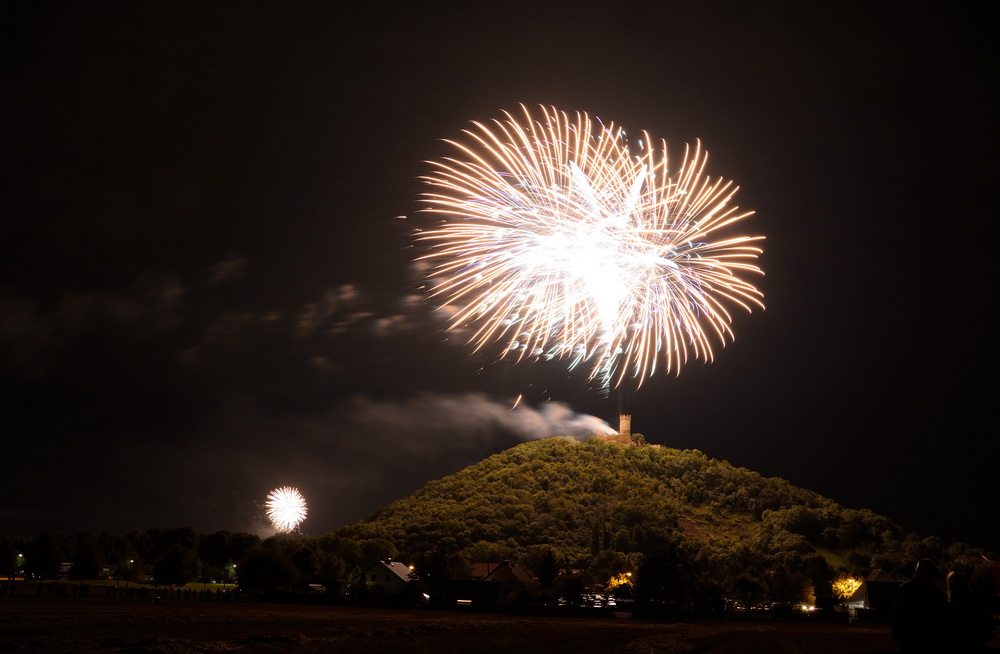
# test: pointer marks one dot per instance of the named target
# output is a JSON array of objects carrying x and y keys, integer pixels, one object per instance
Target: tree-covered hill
[
  {"x": 676, "y": 528},
  {"x": 605, "y": 506}
]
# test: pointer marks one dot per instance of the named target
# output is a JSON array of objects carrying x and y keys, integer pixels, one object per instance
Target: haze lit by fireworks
[
  {"x": 286, "y": 508},
  {"x": 559, "y": 242}
]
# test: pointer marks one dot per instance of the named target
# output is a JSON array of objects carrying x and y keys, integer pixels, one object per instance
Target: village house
[
  {"x": 505, "y": 573},
  {"x": 388, "y": 575},
  {"x": 873, "y": 598}
]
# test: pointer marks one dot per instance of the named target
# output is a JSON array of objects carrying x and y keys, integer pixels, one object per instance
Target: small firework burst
[{"x": 286, "y": 508}]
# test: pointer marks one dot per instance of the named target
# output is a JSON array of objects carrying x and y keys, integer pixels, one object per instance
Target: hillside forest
[{"x": 666, "y": 528}]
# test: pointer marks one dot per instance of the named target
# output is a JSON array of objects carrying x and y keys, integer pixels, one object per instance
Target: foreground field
[{"x": 46, "y": 624}]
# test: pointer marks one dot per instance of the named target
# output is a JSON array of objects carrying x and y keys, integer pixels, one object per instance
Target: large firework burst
[
  {"x": 286, "y": 508},
  {"x": 561, "y": 243}
]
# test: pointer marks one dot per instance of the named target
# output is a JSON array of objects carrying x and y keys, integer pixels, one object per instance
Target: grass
[{"x": 106, "y": 583}]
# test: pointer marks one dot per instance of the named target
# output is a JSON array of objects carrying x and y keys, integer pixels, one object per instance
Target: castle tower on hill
[
  {"x": 624, "y": 435},
  {"x": 625, "y": 425}
]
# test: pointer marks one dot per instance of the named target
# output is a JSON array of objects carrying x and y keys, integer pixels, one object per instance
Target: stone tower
[{"x": 625, "y": 425}]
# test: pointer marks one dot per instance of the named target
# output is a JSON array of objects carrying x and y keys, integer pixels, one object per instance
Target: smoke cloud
[
  {"x": 360, "y": 455},
  {"x": 181, "y": 400}
]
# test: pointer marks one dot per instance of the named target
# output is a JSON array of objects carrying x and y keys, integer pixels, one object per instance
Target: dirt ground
[{"x": 69, "y": 624}]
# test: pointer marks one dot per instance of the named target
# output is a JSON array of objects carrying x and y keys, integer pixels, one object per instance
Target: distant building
[
  {"x": 505, "y": 573},
  {"x": 488, "y": 584},
  {"x": 977, "y": 562},
  {"x": 388, "y": 575},
  {"x": 873, "y": 598}
]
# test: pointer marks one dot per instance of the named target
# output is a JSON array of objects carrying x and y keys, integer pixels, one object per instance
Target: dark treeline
[
  {"x": 664, "y": 527},
  {"x": 176, "y": 556}
]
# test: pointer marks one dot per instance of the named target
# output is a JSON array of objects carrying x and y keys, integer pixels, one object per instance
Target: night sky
[{"x": 207, "y": 287}]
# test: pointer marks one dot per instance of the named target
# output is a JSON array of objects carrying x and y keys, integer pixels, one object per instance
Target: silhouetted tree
[
  {"x": 8, "y": 557},
  {"x": 306, "y": 563},
  {"x": 213, "y": 549},
  {"x": 266, "y": 569},
  {"x": 44, "y": 556},
  {"x": 177, "y": 566},
  {"x": 377, "y": 549},
  {"x": 749, "y": 589},
  {"x": 346, "y": 549},
  {"x": 332, "y": 573},
  {"x": 548, "y": 569},
  {"x": 663, "y": 587},
  {"x": 433, "y": 570},
  {"x": 86, "y": 564},
  {"x": 570, "y": 588},
  {"x": 241, "y": 543},
  {"x": 129, "y": 569}
]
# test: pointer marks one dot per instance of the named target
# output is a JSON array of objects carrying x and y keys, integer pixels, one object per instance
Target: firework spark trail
[
  {"x": 286, "y": 508},
  {"x": 560, "y": 242}
]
